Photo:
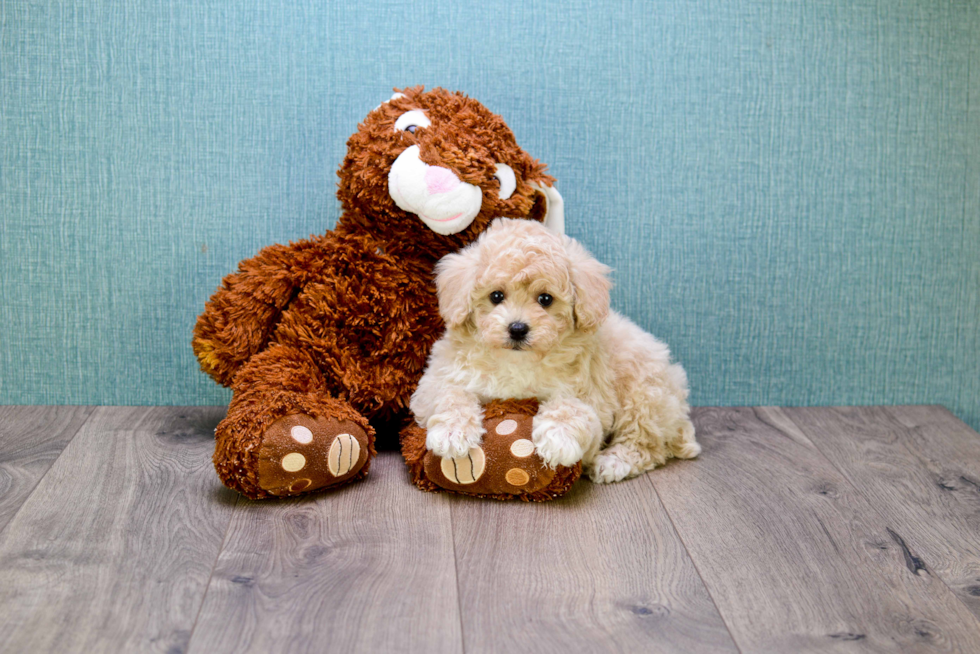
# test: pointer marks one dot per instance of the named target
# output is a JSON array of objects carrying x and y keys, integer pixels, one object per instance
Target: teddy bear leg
[{"x": 284, "y": 434}]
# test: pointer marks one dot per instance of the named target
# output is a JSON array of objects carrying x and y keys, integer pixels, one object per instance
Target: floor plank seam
[
  {"x": 459, "y": 591},
  {"x": 214, "y": 566},
  {"x": 907, "y": 554},
  {"x": 13, "y": 516},
  {"x": 694, "y": 563}
]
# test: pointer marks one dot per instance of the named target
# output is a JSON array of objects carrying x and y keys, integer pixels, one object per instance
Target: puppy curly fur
[{"x": 609, "y": 394}]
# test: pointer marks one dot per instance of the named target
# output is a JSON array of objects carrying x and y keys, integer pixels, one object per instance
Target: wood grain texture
[
  {"x": 599, "y": 570},
  {"x": 920, "y": 467},
  {"x": 365, "y": 568},
  {"x": 795, "y": 558},
  {"x": 113, "y": 549},
  {"x": 31, "y": 438}
]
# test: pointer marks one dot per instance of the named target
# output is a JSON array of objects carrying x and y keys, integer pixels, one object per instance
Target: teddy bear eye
[
  {"x": 497, "y": 297},
  {"x": 545, "y": 300},
  {"x": 412, "y": 120},
  {"x": 508, "y": 182}
]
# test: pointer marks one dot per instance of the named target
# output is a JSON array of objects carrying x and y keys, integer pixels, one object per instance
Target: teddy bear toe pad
[{"x": 300, "y": 453}]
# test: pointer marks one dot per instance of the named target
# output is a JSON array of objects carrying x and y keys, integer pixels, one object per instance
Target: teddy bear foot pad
[
  {"x": 504, "y": 466},
  {"x": 300, "y": 454},
  {"x": 504, "y": 463}
]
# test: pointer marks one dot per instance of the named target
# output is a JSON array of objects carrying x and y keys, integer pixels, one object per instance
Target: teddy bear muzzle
[{"x": 445, "y": 203}]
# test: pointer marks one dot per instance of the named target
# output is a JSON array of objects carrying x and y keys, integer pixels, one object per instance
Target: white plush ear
[
  {"x": 554, "y": 217},
  {"x": 393, "y": 97},
  {"x": 455, "y": 282}
]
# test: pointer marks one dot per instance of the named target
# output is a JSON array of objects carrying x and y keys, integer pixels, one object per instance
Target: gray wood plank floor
[
  {"x": 820, "y": 529},
  {"x": 31, "y": 438},
  {"x": 368, "y": 568}
]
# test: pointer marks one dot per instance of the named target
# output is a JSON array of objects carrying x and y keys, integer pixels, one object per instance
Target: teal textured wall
[{"x": 789, "y": 191}]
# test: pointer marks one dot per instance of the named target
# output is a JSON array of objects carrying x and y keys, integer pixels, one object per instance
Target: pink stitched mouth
[{"x": 444, "y": 220}]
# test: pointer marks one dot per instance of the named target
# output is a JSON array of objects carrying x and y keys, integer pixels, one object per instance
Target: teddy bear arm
[{"x": 239, "y": 319}]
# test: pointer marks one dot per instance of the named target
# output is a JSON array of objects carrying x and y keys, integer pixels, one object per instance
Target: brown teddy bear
[{"x": 323, "y": 341}]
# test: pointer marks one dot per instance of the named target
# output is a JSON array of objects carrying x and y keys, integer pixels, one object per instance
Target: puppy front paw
[
  {"x": 555, "y": 443},
  {"x": 609, "y": 468},
  {"x": 451, "y": 437}
]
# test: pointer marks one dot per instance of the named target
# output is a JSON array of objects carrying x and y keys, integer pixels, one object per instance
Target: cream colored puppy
[{"x": 527, "y": 315}]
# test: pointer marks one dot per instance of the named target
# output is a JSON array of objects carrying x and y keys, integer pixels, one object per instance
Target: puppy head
[{"x": 522, "y": 287}]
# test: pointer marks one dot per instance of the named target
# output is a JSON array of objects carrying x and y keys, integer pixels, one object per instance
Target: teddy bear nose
[
  {"x": 440, "y": 180},
  {"x": 518, "y": 330}
]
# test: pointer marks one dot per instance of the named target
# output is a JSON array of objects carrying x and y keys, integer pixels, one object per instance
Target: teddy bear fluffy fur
[{"x": 610, "y": 396}]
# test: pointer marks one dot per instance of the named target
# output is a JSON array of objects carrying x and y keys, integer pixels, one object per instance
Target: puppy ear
[
  {"x": 455, "y": 281},
  {"x": 591, "y": 281}
]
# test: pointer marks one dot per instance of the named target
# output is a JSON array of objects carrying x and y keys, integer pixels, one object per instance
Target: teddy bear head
[{"x": 430, "y": 170}]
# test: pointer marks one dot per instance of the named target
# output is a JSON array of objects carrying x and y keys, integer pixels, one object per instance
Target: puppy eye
[
  {"x": 545, "y": 300},
  {"x": 497, "y": 297},
  {"x": 508, "y": 183},
  {"x": 411, "y": 129}
]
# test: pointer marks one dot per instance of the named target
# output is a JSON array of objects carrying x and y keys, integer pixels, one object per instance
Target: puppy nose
[
  {"x": 440, "y": 180},
  {"x": 518, "y": 330}
]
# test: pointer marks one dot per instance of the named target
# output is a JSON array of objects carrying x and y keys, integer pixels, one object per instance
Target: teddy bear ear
[
  {"x": 394, "y": 96},
  {"x": 554, "y": 217},
  {"x": 403, "y": 93}
]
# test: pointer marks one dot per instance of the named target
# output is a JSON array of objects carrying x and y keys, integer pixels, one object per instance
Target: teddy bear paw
[
  {"x": 299, "y": 453},
  {"x": 503, "y": 465}
]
